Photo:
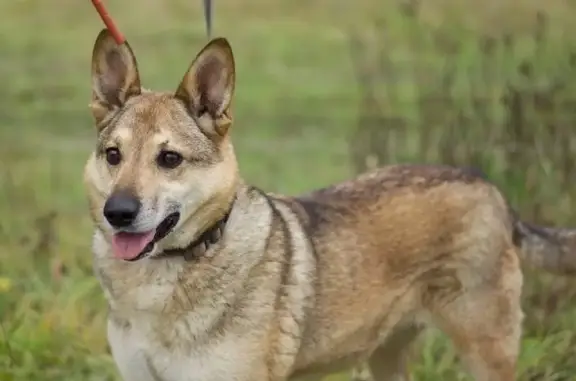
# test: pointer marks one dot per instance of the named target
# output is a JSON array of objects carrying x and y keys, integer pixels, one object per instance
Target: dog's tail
[{"x": 551, "y": 249}]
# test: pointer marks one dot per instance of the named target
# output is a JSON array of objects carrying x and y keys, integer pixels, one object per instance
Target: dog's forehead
[
  {"x": 153, "y": 112},
  {"x": 157, "y": 119}
]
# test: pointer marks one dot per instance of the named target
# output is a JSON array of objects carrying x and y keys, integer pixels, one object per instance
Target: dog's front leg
[{"x": 132, "y": 362}]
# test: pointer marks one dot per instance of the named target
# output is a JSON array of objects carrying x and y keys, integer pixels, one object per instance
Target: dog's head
[{"x": 164, "y": 168}]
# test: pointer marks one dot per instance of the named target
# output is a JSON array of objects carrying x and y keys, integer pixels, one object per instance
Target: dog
[{"x": 210, "y": 279}]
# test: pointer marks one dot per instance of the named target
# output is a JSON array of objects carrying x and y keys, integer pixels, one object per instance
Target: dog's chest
[{"x": 142, "y": 356}]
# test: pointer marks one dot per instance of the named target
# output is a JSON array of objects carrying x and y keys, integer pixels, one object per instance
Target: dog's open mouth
[{"x": 135, "y": 246}]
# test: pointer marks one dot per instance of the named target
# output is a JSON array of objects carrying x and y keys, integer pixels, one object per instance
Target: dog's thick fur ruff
[{"x": 295, "y": 286}]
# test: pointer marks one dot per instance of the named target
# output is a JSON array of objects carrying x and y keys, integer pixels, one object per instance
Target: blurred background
[{"x": 325, "y": 89}]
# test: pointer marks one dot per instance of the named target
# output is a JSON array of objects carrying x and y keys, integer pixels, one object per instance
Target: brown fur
[{"x": 296, "y": 286}]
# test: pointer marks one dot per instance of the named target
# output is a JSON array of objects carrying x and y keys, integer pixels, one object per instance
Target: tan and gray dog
[{"x": 210, "y": 279}]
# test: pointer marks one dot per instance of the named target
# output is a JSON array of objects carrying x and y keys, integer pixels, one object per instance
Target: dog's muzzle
[{"x": 162, "y": 231}]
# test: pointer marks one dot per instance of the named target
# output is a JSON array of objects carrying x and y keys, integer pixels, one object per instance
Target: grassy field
[{"x": 325, "y": 89}]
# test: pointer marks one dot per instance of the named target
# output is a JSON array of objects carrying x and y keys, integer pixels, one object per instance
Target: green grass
[{"x": 297, "y": 122}]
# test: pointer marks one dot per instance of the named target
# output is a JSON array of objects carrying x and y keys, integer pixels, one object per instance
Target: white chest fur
[{"x": 141, "y": 358}]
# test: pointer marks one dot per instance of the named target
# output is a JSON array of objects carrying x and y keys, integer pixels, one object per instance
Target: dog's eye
[
  {"x": 169, "y": 159},
  {"x": 113, "y": 156}
]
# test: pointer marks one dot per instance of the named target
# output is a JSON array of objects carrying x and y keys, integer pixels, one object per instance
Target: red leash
[
  {"x": 114, "y": 31},
  {"x": 119, "y": 37}
]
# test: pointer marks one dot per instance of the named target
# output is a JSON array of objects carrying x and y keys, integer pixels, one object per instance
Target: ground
[{"x": 297, "y": 121}]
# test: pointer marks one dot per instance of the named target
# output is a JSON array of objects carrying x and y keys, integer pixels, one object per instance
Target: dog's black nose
[{"x": 121, "y": 209}]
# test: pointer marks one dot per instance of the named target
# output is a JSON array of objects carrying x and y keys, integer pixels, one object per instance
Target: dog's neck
[{"x": 197, "y": 248}]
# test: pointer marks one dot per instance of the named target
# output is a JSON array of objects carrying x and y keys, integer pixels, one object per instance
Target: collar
[{"x": 200, "y": 245}]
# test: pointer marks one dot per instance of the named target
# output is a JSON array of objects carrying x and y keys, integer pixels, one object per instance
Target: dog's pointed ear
[
  {"x": 208, "y": 86},
  {"x": 115, "y": 75}
]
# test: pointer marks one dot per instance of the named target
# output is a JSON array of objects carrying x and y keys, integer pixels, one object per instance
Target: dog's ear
[
  {"x": 208, "y": 86},
  {"x": 115, "y": 75}
]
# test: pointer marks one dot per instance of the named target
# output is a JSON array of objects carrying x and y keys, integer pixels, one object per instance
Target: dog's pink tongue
[{"x": 129, "y": 245}]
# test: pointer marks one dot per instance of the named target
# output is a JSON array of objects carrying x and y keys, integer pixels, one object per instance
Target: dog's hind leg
[
  {"x": 484, "y": 317},
  {"x": 388, "y": 362}
]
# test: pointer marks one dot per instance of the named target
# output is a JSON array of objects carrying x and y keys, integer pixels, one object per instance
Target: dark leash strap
[{"x": 208, "y": 17}]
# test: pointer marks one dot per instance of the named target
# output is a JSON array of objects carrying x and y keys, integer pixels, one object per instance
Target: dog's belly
[{"x": 140, "y": 359}]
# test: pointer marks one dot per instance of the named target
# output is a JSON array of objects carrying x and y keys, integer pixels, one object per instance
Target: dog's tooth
[{"x": 210, "y": 252}]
